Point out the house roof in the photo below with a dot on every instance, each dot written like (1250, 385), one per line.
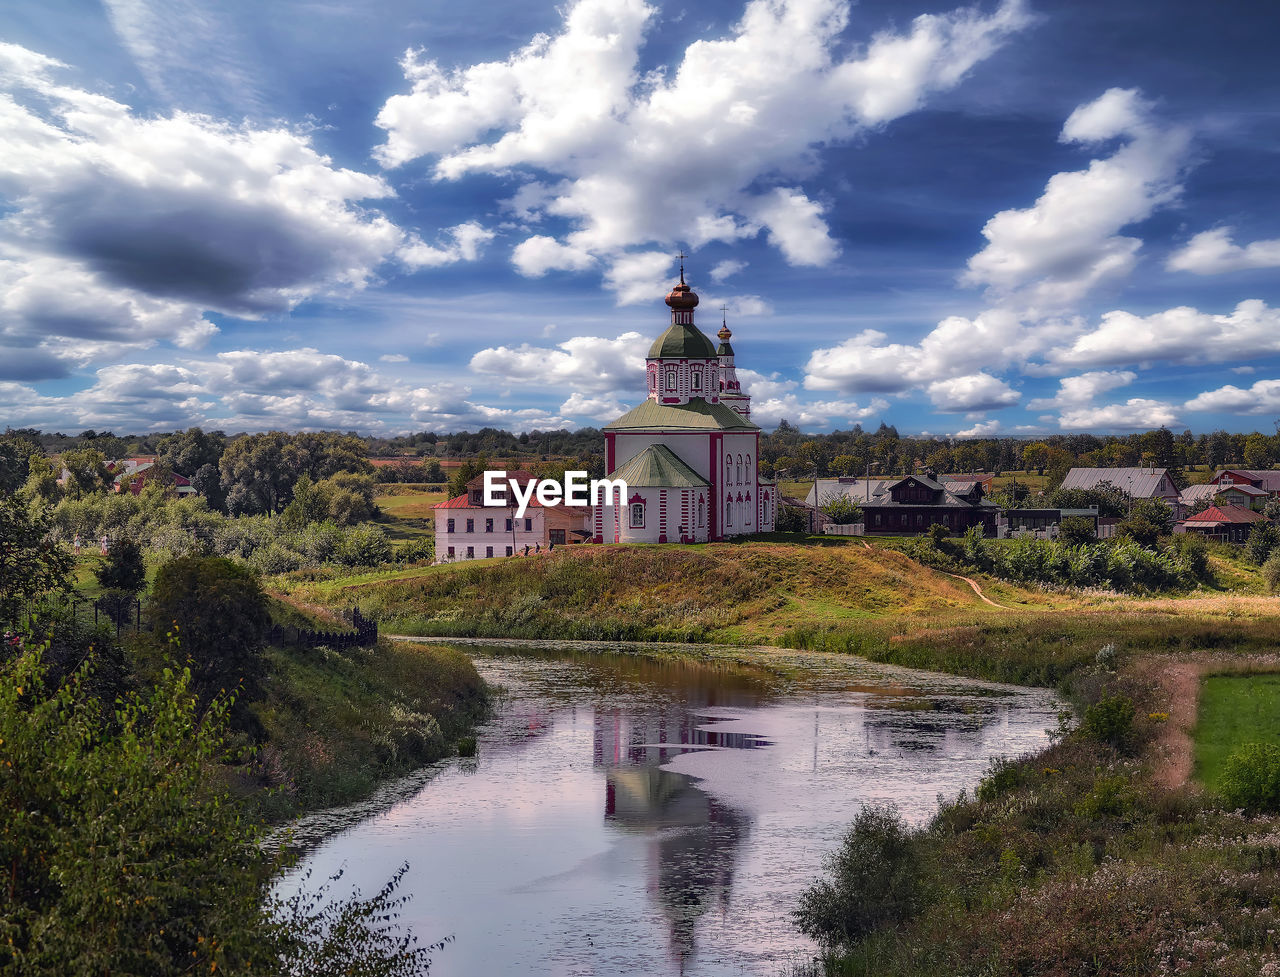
(1137, 483)
(1217, 514)
(658, 466)
(857, 489)
(1251, 490)
(1194, 493)
(521, 476)
(1266, 478)
(682, 342)
(696, 415)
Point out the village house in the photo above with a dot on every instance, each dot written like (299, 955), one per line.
(1137, 483)
(467, 529)
(132, 474)
(1228, 523)
(1249, 496)
(914, 503)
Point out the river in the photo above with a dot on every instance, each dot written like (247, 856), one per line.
(629, 815)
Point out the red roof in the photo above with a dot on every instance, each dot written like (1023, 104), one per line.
(1226, 513)
(460, 502)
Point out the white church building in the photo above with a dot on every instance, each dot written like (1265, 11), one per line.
(689, 452)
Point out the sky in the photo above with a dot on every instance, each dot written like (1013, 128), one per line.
(1016, 217)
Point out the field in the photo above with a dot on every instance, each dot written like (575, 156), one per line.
(1234, 710)
(408, 509)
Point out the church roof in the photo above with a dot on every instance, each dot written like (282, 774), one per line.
(696, 415)
(682, 342)
(658, 466)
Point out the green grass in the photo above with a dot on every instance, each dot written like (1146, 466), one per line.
(408, 511)
(1234, 710)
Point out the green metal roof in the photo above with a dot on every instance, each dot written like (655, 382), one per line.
(658, 466)
(724, 349)
(681, 342)
(696, 415)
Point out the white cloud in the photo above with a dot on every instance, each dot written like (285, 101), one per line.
(1084, 389)
(1044, 258)
(1180, 335)
(726, 269)
(1213, 252)
(393, 358)
(983, 429)
(744, 109)
(602, 408)
(1136, 414)
(768, 411)
(587, 364)
(974, 392)
(535, 256)
(467, 240)
(1261, 398)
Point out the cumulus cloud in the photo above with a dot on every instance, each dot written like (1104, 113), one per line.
(983, 429)
(393, 358)
(537, 255)
(1213, 252)
(726, 269)
(974, 392)
(124, 230)
(465, 246)
(1084, 389)
(1261, 398)
(587, 364)
(574, 109)
(767, 411)
(1043, 258)
(1135, 414)
(1179, 335)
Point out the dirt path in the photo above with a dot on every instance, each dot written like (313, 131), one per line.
(978, 590)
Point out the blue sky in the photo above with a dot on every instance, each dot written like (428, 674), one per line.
(1015, 217)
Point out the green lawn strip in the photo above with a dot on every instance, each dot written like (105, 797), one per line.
(1234, 710)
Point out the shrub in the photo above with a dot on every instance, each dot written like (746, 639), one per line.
(1077, 531)
(1251, 778)
(873, 881)
(222, 618)
(364, 546)
(1004, 776)
(840, 509)
(1263, 539)
(1271, 571)
(123, 568)
(1109, 720)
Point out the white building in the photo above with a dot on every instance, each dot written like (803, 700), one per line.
(467, 529)
(689, 453)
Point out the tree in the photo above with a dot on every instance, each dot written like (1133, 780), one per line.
(42, 480)
(122, 575)
(186, 452)
(1077, 531)
(1263, 539)
(208, 482)
(840, 509)
(16, 450)
(31, 565)
(1155, 511)
(1035, 456)
(464, 473)
(86, 472)
(221, 616)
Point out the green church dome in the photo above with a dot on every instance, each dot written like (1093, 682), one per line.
(682, 342)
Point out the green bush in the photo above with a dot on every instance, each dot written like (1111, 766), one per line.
(1271, 571)
(1251, 778)
(364, 546)
(1109, 720)
(873, 880)
(1263, 539)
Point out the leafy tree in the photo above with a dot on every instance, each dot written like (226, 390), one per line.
(792, 519)
(122, 575)
(186, 452)
(465, 473)
(42, 480)
(208, 482)
(16, 451)
(840, 509)
(1035, 456)
(1139, 529)
(1155, 511)
(30, 563)
(86, 472)
(1077, 531)
(221, 616)
(1263, 539)
(256, 475)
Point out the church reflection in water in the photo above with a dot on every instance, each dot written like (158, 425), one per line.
(692, 838)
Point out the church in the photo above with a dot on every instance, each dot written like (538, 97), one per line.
(689, 453)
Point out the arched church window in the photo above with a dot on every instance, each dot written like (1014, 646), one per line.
(697, 379)
(637, 515)
(671, 379)
(728, 511)
(702, 513)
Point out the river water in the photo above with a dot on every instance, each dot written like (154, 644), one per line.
(626, 815)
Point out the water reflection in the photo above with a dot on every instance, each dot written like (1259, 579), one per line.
(629, 816)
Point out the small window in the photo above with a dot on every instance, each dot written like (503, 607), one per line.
(508, 530)
(637, 515)
(508, 548)
(728, 512)
(449, 526)
(528, 525)
(488, 525)
(471, 525)
(557, 536)
(671, 379)
(738, 471)
(702, 513)
(697, 379)
(451, 552)
(488, 551)
(471, 552)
